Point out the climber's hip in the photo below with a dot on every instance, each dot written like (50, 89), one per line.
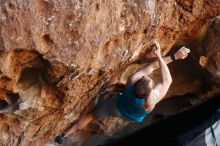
(107, 108)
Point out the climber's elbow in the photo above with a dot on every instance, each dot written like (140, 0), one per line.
(167, 80)
(170, 80)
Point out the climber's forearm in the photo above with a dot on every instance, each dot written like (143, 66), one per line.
(148, 69)
(166, 59)
(166, 76)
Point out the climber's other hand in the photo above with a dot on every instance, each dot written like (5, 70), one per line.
(182, 53)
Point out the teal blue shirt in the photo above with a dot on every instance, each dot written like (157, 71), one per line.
(130, 106)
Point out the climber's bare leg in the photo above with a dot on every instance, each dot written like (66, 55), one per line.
(82, 123)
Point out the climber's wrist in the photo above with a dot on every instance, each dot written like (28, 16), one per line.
(173, 57)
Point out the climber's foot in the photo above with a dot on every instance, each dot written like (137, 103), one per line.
(59, 139)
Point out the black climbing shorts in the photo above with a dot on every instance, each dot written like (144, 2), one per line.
(107, 108)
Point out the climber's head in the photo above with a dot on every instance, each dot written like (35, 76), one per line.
(216, 23)
(143, 87)
(3, 104)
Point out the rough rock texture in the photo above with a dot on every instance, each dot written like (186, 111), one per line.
(58, 55)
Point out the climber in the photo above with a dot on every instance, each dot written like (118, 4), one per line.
(140, 96)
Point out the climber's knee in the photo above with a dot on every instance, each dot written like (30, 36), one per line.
(84, 121)
(91, 116)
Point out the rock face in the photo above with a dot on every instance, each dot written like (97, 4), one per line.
(211, 50)
(56, 56)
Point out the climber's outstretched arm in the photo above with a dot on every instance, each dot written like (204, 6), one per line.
(182, 53)
(161, 89)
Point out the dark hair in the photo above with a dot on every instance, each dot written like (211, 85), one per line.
(141, 88)
(3, 104)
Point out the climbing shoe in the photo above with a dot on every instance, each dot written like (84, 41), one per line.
(59, 139)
